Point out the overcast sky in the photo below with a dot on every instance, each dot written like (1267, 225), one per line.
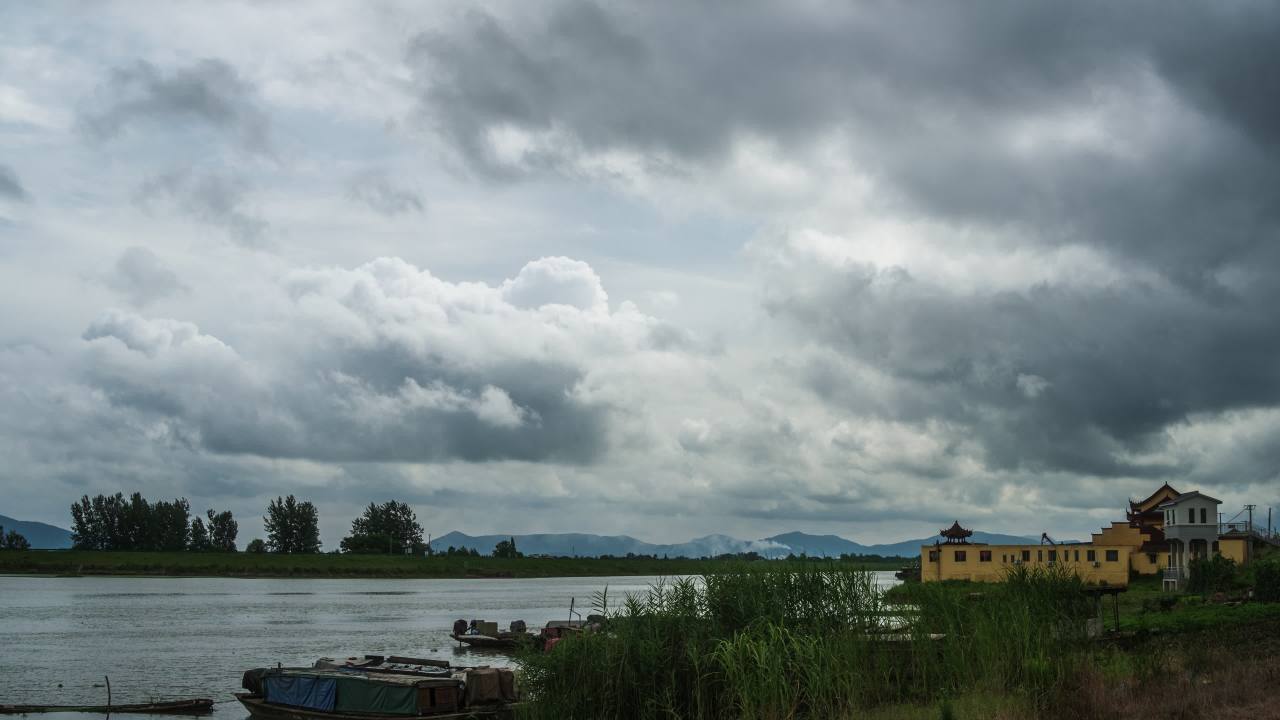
(663, 269)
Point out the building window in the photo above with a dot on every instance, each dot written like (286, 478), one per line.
(984, 556)
(1077, 556)
(1191, 515)
(961, 556)
(1053, 556)
(1113, 556)
(1026, 556)
(1215, 547)
(1039, 556)
(933, 556)
(1090, 555)
(1151, 557)
(1203, 521)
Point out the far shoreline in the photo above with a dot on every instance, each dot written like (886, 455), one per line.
(84, 563)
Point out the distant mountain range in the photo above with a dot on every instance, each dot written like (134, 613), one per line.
(49, 537)
(585, 545)
(42, 536)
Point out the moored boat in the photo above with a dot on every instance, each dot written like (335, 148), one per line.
(377, 687)
(193, 706)
(260, 709)
(485, 634)
(501, 641)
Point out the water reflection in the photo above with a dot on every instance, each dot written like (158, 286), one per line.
(193, 637)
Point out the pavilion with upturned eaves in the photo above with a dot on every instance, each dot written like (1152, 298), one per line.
(956, 535)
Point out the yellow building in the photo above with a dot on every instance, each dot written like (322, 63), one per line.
(1148, 552)
(1136, 545)
(1236, 546)
(958, 559)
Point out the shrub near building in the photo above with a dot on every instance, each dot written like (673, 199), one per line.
(1266, 579)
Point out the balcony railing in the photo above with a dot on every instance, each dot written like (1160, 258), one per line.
(1173, 573)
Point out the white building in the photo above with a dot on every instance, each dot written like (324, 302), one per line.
(1191, 528)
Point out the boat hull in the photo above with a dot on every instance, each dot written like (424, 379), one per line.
(198, 706)
(260, 709)
(494, 643)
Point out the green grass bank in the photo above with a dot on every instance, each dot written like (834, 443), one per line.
(766, 642)
(84, 562)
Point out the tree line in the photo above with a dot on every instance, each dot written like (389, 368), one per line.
(14, 540)
(113, 522)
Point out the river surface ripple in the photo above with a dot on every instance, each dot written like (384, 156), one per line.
(193, 637)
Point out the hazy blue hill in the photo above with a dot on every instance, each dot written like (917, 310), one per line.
(911, 548)
(588, 545)
(42, 536)
(819, 545)
(581, 544)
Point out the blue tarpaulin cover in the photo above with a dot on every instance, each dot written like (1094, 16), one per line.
(314, 693)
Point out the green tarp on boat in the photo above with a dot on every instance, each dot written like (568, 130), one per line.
(358, 694)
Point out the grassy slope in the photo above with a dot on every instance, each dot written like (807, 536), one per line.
(1140, 609)
(269, 565)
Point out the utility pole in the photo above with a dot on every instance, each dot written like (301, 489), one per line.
(1250, 509)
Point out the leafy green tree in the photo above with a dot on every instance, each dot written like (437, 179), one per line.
(223, 529)
(1212, 574)
(1266, 575)
(390, 527)
(507, 549)
(198, 538)
(167, 525)
(256, 546)
(13, 541)
(110, 522)
(98, 524)
(292, 526)
(461, 551)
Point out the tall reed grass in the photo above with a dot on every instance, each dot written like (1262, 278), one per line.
(766, 643)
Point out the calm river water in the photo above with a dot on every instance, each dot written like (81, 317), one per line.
(193, 637)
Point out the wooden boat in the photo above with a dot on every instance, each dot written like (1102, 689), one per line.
(193, 706)
(502, 641)
(260, 709)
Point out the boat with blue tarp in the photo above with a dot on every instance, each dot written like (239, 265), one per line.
(378, 687)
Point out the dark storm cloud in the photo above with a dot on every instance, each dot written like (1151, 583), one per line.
(10, 186)
(140, 275)
(377, 191)
(1184, 203)
(208, 92)
(1052, 377)
(213, 199)
(926, 92)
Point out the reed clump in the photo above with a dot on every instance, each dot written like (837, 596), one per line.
(765, 643)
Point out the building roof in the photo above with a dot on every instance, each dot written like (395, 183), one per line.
(1194, 494)
(955, 532)
(1163, 493)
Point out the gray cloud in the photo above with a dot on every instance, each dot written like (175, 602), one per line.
(140, 275)
(1140, 134)
(209, 92)
(213, 199)
(10, 185)
(929, 96)
(1053, 377)
(1016, 262)
(377, 191)
(388, 364)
